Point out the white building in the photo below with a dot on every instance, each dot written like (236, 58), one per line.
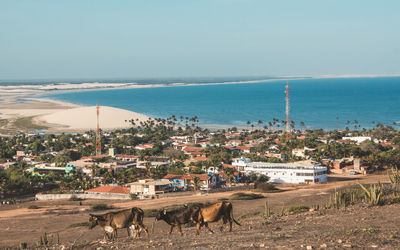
(240, 163)
(289, 172)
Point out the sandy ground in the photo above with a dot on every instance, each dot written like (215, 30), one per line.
(21, 224)
(84, 118)
(57, 116)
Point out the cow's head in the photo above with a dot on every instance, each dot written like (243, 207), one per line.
(161, 214)
(93, 220)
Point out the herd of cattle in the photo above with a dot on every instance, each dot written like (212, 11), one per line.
(132, 219)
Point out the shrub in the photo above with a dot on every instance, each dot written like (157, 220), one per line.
(267, 188)
(33, 207)
(100, 206)
(298, 208)
(133, 196)
(245, 196)
(261, 179)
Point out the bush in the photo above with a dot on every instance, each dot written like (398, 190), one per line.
(133, 196)
(33, 207)
(100, 206)
(298, 208)
(267, 188)
(245, 196)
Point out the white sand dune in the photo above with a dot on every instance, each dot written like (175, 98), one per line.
(85, 118)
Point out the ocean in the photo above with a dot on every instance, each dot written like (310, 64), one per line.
(333, 103)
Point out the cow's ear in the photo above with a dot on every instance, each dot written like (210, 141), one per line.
(164, 211)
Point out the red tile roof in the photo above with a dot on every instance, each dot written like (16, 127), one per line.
(192, 149)
(109, 189)
(200, 158)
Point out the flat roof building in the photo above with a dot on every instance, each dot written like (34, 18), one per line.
(289, 172)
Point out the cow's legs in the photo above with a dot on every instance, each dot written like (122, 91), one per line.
(209, 229)
(172, 228)
(198, 227)
(180, 229)
(223, 222)
(131, 231)
(143, 227)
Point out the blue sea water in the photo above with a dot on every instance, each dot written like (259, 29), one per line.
(319, 103)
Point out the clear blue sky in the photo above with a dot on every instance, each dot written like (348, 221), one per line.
(192, 38)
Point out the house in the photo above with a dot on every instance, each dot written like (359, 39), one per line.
(191, 150)
(6, 165)
(46, 168)
(144, 146)
(298, 152)
(186, 181)
(244, 149)
(126, 158)
(150, 187)
(234, 143)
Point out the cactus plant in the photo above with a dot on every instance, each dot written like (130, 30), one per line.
(373, 193)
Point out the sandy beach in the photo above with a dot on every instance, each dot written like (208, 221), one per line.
(20, 113)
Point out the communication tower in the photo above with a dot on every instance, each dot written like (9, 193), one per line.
(287, 111)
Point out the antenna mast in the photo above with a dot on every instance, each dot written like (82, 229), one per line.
(287, 111)
(98, 136)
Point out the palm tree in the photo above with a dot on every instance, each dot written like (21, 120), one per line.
(302, 124)
(248, 123)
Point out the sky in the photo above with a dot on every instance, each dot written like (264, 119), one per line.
(48, 39)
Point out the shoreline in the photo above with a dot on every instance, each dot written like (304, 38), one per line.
(33, 102)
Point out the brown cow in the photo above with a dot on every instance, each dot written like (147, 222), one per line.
(215, 212)
(112, 221)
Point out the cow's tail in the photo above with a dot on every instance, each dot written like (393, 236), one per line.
(231, 215)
